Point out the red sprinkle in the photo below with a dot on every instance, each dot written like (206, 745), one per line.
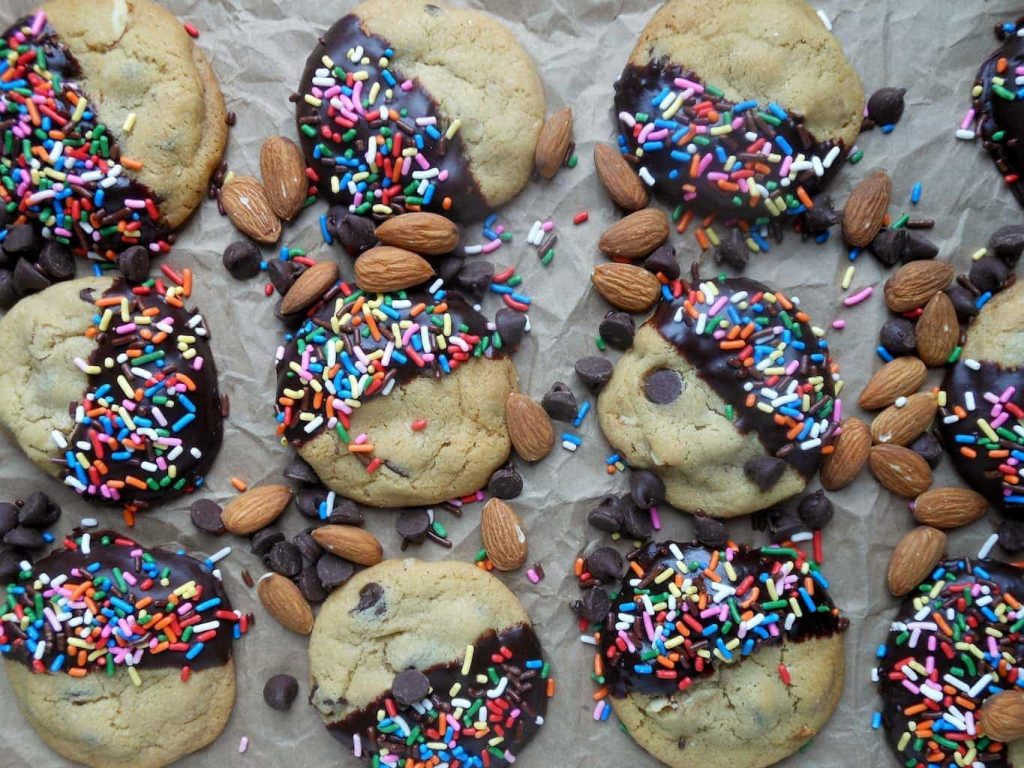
(192, 31)
(784, 674)
(419, 425)
(580, 217)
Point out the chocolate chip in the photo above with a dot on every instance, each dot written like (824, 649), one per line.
(449, 267)
(206, 516)
(263, 540)
(511, 326)
(284, 558)
(242, 259)
(505, 483)
(605, 564)
(308, 582)
(732, 250)
(928, 448)
(663, 260)
(413, 524)
(636, 522)
(38, 512)
(56, 261)
(918, 248)
(647, 488)
(308, 500)
(24, 537)
(8, 517)
(300, 470)
(663, 386)
(10, 562)
(334, 571)
(1007, 243)
(283, 274)
(410, 687)
(617, 329)
(594, 371)
(964, 302)
(898, 336)
(134, 264)
(369, 596)
(815, 509)
(1011, 535)
(308, 548)
(784, 524)
(764, 471)
(346, 512)
(888, 246)
(475, 277)
(28, 279)
(355, 233)
(885, 106)
(280, 691)
(8, 295)
(22, 242)
(821, 217)
(988, 274)
(560, 402)
(607, 515)
(593, 606)
(709, 531)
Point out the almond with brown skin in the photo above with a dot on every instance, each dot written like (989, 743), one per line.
(899, 378)
(626, 286)
(386, 268)
(619, 179)
(529, 427)
(256, 508)
(900, 470)
(285, 602)
(938, 330)
(429, 234)
(946, 508)
(865, 210)
(246, 204)
(912, 285)
(283, 169)
(1002, 716)
(914, 557)
(553, 143)
(310, 287)
(503, 535)
(841, 467)
(349, 542)
(903, 424)
(636, 235)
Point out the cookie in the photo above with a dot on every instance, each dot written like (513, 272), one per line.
(132, 643)
(405, 641)
(956, 640)
(390, 424)
(694, 686)
(419, 106)
(742, 109)
(982, 421)
(118, 169)
(112, 388)
(727, 394)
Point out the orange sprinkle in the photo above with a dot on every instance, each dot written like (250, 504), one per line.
(239, 484)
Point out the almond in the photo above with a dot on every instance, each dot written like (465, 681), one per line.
(636, 235)
(914, 557)
(900, 470)
(619, 179)
(256, 508)
(283, 169)
(938, 330)
(246, 204)
(899, 378)
(529, 427)
(503, 536)
(553, 143)
(310, 287)
(841, 467)
(865, 210)
(352, 543)
(626, 286)
(386, 268)
(902, 425)
(427, 233)
(285, 602)
(913, 284)
(1002, 716)
(948, 507)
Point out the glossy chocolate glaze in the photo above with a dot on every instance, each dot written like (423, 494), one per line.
(995, 113)
(468, 203)
(181, 569)
(527, 686)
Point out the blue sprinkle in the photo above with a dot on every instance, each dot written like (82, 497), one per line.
(915, 193)
(884, 353)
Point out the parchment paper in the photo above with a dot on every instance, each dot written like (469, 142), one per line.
(258, 47)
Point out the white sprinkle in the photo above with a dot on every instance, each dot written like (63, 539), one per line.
(59, 439)
(971, 363)
(219, 555)
(89, 522)
(824, 19)
(243, 744)
(569, 445)
(645, 174)
(965, 135)
(986, 548)
(900, 402)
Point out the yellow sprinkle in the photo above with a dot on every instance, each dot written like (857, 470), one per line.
(453, 129)
(978, 254)
(133, 673)
(712, 236)
(467, 662)
(80, 108)
(313, 101)
(848, 276)
(129, 123)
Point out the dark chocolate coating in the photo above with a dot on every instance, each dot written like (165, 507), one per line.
(995, 113)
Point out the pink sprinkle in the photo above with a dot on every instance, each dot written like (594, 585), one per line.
(655, 518)
(859, 296)
(839, 324)
(243, 744)
(968, 120)
(532, 576)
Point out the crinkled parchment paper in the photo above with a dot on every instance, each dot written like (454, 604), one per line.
(258, 48)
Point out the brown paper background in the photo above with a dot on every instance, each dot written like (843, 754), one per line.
(258, 48)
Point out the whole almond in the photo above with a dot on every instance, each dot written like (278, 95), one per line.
(285, 602)
(900, 470)
(310, 287)
(386, 268)
(553, 143)
(246, 204)
(914, 557)
(1002, 716)
(841, 467)
(619, 179)
(865, 210)
(626, 286)
(902, 425)
(503, 535)
(420, 232)
(898, 378)
(256, 508)
(352, 543)
(938, 330)
(283, 169)
(948, 507)
(913, 284)
(529, 427)
(636, 235)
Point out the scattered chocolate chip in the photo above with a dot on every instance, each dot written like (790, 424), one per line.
(206, 516)
(918, 248)
(709, 531)
(24, 537)
(283, 274)
(230, 119)
(355, 233)
(885, 106)
(299, 469)
(22, 242)
(636, 522)
(663, 260)
(369, 596)
(617, 329)
(333, 571)
(505, 483)
(56, 261)
(410, 687)
(346, 512)
(475, 278)
(1007, 243)
(242, 259)
(821, 217)
(247, 578)
(308, 582)
(449, 267)
(663, 386)
(988, 273)
(8, 517)
(263, 540)
(38, 512)
(928, 448)
(308, 548)
(28, 279)
(605, 564)
(898, 336)
(10, 562)
(560, 402)
(732, 250)
(785, 523)
(1011, 535)
(964, 302)
(134, 264)
(511, 326)
(594, 371)
(815, 509)
(888, 246)
(593, 606)
(280, 691)
(413, 524)
(646, 487)
(764, 471)
(284, 558)
(8, 295)
(607, 515)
